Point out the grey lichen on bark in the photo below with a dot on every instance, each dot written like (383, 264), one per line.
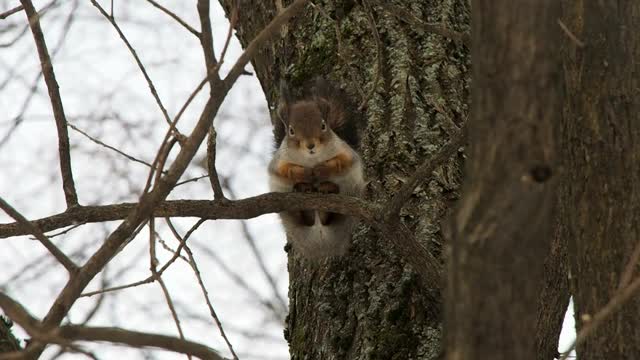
(414, 86)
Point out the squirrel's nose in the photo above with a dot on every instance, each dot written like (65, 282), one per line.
(310, 146)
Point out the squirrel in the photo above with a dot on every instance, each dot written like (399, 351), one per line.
(317, 144)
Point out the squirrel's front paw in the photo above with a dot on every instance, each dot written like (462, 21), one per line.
(321, 171)
(300, 174)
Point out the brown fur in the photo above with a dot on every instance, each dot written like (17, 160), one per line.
(306, 118)
(332, 167)
(323, 102)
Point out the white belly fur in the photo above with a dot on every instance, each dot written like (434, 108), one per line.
(320, 241)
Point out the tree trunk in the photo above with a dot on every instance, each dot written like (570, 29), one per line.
(554, 296)
(601, 137)
(503, 227)
(414, 83)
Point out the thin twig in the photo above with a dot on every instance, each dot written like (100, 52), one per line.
(65, 231)
(206, 41)
(211, 165)
(148, 280)
(613, 306)
(153, 260)
(632, 264)
(175, 17)
(133, 52)
(159, 162)
(65, 334)
(259, 258)
(171, 129)
(10, 12)
(64, 151)
(205, 293)
(151, 279)
(424, 172)
(212, 67)
(169, 249)
(35, 231)
(195, 179)
(108, 146)
(278, 313)
(232, 24)
(33, 89)
(571, 36)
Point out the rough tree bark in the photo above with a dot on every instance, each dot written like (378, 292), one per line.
(601, 137)
(503, 227)
(414, 82)
(554, 295)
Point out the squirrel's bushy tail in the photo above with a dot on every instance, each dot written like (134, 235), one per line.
(319, 241)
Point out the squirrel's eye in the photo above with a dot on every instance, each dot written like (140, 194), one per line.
(323, 126)
(291, 132)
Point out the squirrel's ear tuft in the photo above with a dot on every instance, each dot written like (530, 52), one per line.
(284, 103)
(321, 87)
(330, 107)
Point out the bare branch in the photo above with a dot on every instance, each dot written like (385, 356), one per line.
(153, 260)
(10, 12)
(232, 24)
(68, 333)
(424, 173)
(251, 240)
(279, 313)
(212, 67)
(35, 231)
(206, 40)
(148, 280)
(108, 146)
(572, 36)
(613, 306)
(68, 185)
(205, 293)
(151, 278)
(632, 264)
(149, 201)
(211, 165)
(133, 52)
(205, 209)
(175, 17)
(138, 339)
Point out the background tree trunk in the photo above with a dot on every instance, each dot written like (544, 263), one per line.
(369, 304)
(503, 227)
(601, 137)
(554, 296)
